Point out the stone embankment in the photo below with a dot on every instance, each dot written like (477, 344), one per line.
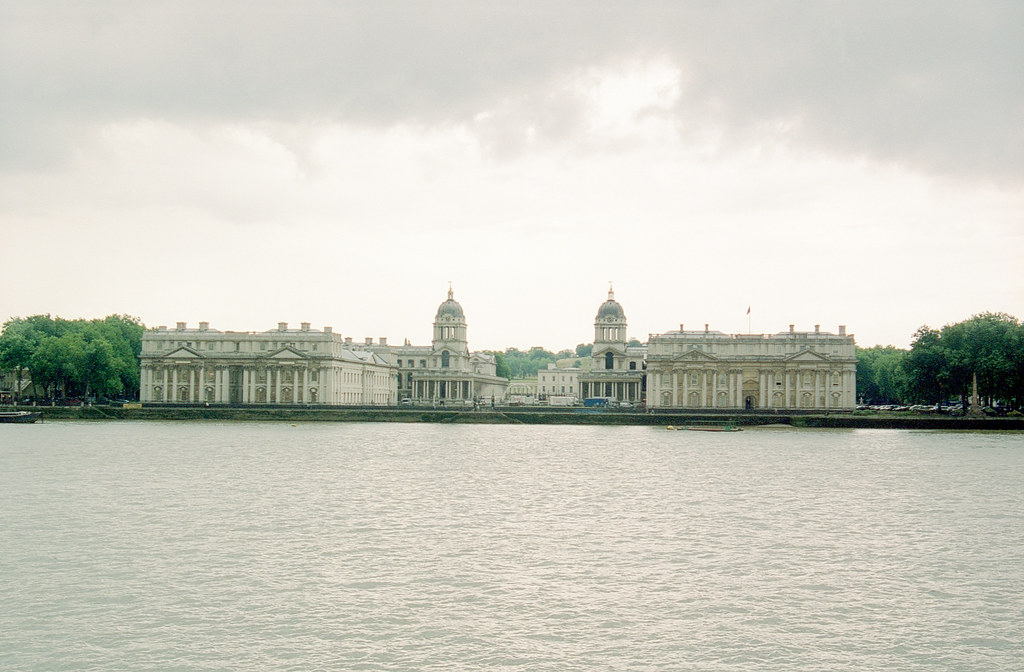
(520, 415)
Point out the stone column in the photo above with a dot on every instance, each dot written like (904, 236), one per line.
(828, 389)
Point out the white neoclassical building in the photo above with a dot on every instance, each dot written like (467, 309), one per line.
(617, 370)
(558, 382)
(445, 372)
(279, 366)
(791, 370)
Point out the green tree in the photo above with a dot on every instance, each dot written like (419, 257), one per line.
(881, 377)
(983, 347)
(526, 364)
(584, 349)
(15, 354)
(58, 364)
(927, 366)
(501, 367)
(988, 347)
(75, 356)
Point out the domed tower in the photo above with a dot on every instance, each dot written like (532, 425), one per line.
(610, 323)
(450, 327)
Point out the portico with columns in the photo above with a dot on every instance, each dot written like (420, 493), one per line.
(446, 372)
(784, 371)
(617, 368)
(303, 367)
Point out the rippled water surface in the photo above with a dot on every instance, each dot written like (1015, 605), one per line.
(235, 546)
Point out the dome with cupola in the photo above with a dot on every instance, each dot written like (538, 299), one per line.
(450, 308)
(611, 309)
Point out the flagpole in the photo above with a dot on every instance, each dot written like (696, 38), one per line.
(748, 320)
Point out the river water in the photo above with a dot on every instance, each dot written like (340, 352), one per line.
(330, 546)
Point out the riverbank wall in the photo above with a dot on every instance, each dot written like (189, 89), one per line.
(526, 416)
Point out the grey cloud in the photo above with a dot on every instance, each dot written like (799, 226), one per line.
(935, 85)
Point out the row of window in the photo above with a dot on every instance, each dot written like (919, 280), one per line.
(740, 348)
(232, 346)
(544, 389)
(806, 378)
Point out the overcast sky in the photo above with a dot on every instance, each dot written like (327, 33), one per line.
(246, 163)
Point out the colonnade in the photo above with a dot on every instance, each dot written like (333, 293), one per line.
(621, 390)
(767, 388)
(448, 388)
(219, 383)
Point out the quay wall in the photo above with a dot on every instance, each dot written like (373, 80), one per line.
(531, 416)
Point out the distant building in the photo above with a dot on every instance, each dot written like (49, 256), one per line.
(617, 370)
(12, 388)
(446, 372)
(280, 366)
(788, 370)
(522, 391)
(554, 381)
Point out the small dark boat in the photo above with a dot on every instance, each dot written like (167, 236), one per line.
(706, 428)
(19, 416)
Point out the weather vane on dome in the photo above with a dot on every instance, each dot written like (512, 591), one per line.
(611, 290)
(450, 293)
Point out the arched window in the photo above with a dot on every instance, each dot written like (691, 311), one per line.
(609, 360)
(445, 359)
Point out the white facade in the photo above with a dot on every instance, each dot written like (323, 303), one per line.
(554, 381)
(445, 372)
(788, 370)
(281, 366)
(617, 370)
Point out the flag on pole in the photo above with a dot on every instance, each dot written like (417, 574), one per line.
(748, 310)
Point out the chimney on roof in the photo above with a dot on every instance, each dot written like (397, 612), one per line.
(282, 326)
(348, 340)
(705, 327)
(305, 326)
(791, 328)
(842, 330)
(383, 340)
(181, 326)
(328, 330)
(368, 340)
(817, 328)
(681, 327)
(203, 326)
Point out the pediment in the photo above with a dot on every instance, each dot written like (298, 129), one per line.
(695, 356)
(183, 352)
(286, 352)
(807, 356)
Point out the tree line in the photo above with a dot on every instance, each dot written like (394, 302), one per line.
(942, 364)
(515, 363)
(73, 358)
